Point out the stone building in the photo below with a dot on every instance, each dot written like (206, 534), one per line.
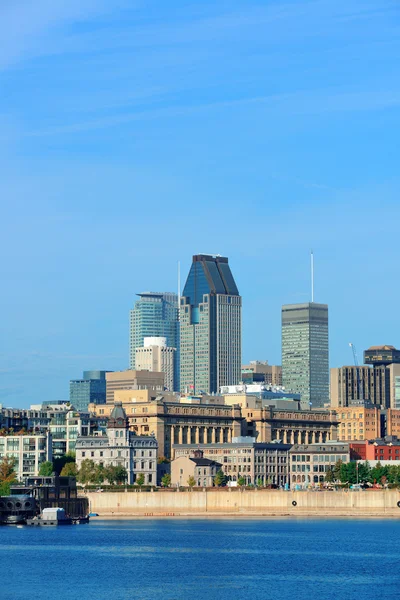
(207, 420)
(195, 465)
(121, 447)
(309, 463)
(269, 424)
(243, 457)
(178, 422)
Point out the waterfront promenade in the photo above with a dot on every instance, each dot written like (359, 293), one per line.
(247, 503)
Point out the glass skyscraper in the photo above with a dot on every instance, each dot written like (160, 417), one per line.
(210, 327)
(305, 351)
(155, 314)
(91, 388)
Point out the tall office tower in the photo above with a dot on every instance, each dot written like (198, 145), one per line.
(385, 361)
(90, 389)
(155, 314)
(305, 351)
(351, 384)
(156, 356)
(210, 327)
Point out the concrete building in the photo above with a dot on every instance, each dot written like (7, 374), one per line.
(121, 447)
(133, 380)
(157, 356)
(351, 383)
(305, 351)
(195, 465)
(264, 464)
(210, 327)
(309, 463)
(155, 314)
(259, 371)
(91, 389)
(378, 384)
(27, 451)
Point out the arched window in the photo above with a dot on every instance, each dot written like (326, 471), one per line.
(117, 434)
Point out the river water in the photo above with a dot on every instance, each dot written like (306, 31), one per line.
(207, 559)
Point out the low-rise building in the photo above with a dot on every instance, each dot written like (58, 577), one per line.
(387, 448)
(309, 463)
(203, 470)
(27, 451)
(121, 447)
(256, 463)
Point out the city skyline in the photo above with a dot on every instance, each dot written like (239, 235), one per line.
(152, 132)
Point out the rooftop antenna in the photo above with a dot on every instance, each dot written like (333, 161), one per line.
(312, 276)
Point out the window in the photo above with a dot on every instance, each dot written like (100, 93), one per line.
(83, 454)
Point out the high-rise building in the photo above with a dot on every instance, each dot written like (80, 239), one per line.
(351, 384)
(90, 389)
(305, 351)
(156, 356)
(210, 327)
(155, 314)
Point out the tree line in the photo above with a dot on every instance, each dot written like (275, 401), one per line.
(362, 472)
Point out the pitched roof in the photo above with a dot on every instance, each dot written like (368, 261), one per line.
(205, 462)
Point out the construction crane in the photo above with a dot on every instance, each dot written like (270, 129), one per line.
(359, 377)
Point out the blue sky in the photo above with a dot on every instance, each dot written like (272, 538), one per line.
(134, 134)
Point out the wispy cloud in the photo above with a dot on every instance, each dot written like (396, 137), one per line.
(24, 24)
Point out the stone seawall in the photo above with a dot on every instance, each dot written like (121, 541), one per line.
(246, 503)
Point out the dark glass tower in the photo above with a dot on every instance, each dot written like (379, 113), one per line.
(305, 351)
(210, 327)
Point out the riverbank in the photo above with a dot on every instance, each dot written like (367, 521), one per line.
(246, 504)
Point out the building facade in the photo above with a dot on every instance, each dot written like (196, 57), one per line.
(90, 389)
(309, 463)
(157, 356)
(359, 423)
(385, 449)
(261, 464)
(121, 447)
(133, 380)
(259, 371)
(210, 327)
(155, 314)
(27, 451)
(203, 470)
(305, 351)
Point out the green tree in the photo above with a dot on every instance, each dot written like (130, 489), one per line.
(69, 470)
(7, 475)
(140, 480)
(166, 480)
(260, 482)
(114, 474)
(191, 482)
(162, 460)
(329, 476)
(88, 472)
(60, 461)
(241, 481)
(46, 469)
(219, 478)
(121, 474)
(337, 470)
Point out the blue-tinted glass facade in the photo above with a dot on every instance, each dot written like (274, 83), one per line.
(155, 314)
(88, 390)
(210, 326)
